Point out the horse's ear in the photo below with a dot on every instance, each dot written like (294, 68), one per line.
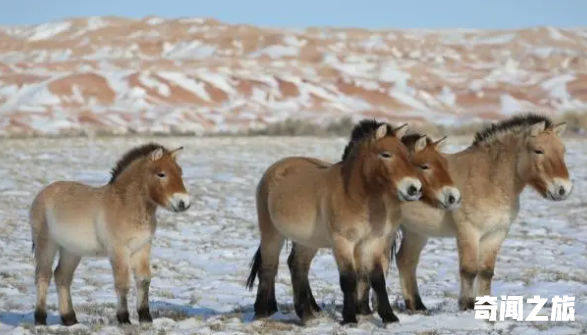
(381, 132)
(401, 131)
(439, 143)
(174, 153)
(156, 154)
(421, 143)
(537, 128)
(560, 129)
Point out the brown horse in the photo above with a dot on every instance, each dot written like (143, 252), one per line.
(438, 191)
(115, 221)
(491, 174)
(350, 207)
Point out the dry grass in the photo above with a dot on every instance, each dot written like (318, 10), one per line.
(297, 127)
(577, 124)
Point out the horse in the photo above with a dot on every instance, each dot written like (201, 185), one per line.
(116, 220)
(438, 191)
(491, 173)
(349, 207)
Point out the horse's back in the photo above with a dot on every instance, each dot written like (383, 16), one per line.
(290, 192)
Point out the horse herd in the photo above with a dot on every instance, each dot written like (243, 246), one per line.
(387, 180)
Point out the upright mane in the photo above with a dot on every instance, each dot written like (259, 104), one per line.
(364, 130)
(515, 124)
(131, 156)
(409, 140)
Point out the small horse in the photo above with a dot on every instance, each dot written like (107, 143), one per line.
(491, 174)
(439, 191)
(116, 221)
(349, 207)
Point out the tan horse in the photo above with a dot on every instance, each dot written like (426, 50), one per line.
(491, 174)
(115, 221)
(350, 207)
(438, 191)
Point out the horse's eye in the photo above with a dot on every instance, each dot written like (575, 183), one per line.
(386, 155)
(424, 167)
(539, 152)
(161, 175)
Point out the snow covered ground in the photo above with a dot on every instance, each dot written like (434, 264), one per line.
(201, 257)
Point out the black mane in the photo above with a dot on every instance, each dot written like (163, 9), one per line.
(363, 130)
(132, 155)
(409, 140)
(516, 122)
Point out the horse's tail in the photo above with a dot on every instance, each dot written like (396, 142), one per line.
(255, 266)
(395, 245)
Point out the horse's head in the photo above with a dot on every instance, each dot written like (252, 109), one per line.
(387, 165)
(165, 183)
(438, 186)
(542, 161)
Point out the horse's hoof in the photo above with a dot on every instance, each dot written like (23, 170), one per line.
(123, 318)
(145, 316)
(351, 322)
(466, 304)
(69, 319)
(40, 318)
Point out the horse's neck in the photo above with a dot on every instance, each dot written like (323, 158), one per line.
(495, 165)
(359, 194)
(131, 194)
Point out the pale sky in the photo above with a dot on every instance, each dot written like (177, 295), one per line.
(303, 13)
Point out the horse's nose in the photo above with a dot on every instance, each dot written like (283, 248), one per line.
(180, 202)
(451, 199)
(412, 190)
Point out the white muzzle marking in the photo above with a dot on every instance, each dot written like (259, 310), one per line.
(449, 198)
(560, 189)
(409, 189)
(180, 202)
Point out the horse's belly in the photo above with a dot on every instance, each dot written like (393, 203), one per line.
(304, 231)
(79, 237)
(427, 221)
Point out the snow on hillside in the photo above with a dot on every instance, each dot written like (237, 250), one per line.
(200, 75)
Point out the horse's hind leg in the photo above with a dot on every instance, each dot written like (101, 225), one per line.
(141, 262)
(120, 261)
(266, 260)
(271, 244)
(45, 250)
(407, 260)
(299, 262)
(63, 277)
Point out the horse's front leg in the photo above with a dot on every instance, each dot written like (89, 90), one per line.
(343, 251)
(376, 262)
(488, 249)
(120, 261)
(141, 264)
(363, 290)
(468, 245)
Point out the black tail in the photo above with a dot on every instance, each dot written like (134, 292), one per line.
(255, 266)
(397, 239)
